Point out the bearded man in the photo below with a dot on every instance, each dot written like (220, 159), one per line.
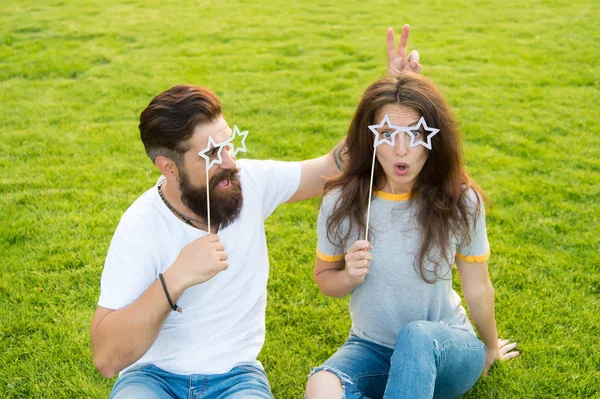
(182, 305)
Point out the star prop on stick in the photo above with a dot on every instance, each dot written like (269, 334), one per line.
(414, 132)
(389, 137)
(237, 133)
(213, 150)
(209, 152)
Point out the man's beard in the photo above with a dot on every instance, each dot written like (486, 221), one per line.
(225, 205)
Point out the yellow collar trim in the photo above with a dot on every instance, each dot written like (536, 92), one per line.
(392, 197)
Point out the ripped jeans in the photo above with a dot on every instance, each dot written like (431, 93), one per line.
(430, 360)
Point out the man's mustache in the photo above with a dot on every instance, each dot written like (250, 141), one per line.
(230, 174)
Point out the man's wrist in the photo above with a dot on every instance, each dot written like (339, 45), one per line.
(175, 283)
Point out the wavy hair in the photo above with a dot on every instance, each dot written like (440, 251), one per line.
(440, 188)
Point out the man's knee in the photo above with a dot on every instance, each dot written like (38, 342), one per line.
(324, 385)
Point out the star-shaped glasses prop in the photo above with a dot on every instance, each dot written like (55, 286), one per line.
(232, 142)
(414, 133)
(212, 153)
(388, 137)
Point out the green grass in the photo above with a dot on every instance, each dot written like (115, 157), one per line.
(522, 77)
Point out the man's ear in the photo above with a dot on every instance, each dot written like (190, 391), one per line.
(167, 167)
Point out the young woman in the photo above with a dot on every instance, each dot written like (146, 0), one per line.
(410, 336)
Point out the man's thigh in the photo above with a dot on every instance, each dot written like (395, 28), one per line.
(151, 382)
(244, 382)
(147, 382)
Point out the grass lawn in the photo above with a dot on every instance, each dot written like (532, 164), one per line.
(522, 76)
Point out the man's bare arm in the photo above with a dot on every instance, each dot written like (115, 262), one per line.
(316, 171)
(121, 337)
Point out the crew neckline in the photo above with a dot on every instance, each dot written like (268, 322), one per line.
(393, 197)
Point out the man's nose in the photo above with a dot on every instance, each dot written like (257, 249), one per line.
(228, 158)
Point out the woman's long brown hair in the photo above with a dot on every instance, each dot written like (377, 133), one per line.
(440, 188)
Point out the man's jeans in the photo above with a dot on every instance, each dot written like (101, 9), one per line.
(429, 360)
(150, 382)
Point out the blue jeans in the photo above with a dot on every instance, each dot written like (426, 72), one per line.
(430, 360)
(151, 382)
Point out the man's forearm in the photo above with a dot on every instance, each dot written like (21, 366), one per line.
(315, 173)
(123, 336)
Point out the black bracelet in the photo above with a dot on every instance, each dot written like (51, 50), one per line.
(173, 305)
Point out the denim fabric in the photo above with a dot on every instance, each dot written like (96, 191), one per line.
(429, 360)
(151, 382)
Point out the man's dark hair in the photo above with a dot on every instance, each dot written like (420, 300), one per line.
(169, 120)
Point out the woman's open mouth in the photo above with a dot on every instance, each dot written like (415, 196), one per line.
(401, 169)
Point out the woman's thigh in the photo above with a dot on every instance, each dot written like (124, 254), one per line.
(361, 366)
(435, 360)
(462, 359)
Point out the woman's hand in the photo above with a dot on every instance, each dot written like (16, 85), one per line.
(398, 62)
(504, 352)
(358, 261)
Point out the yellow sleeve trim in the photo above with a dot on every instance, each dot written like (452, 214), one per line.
(329, 258)
(474, 259)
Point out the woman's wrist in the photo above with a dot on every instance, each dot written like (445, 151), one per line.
(492, 354)
(350, 281)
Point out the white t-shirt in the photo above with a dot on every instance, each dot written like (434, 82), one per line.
(223, 319)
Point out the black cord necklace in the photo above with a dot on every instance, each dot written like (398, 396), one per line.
(180, 215)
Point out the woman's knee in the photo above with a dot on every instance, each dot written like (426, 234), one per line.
(324, 385)
(417, 334)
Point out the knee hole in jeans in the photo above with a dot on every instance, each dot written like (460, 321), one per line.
(324, 384)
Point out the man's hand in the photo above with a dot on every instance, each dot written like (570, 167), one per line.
(199, 261)
(397, 60)
(504, 352)
(358, 261)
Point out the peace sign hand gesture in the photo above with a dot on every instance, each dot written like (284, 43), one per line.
(397, 60)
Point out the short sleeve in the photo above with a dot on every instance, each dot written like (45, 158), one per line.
(326, 250)
(129, 269)
(477, 248)
(276, 181)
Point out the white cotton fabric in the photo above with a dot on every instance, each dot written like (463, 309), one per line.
(223, 320)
